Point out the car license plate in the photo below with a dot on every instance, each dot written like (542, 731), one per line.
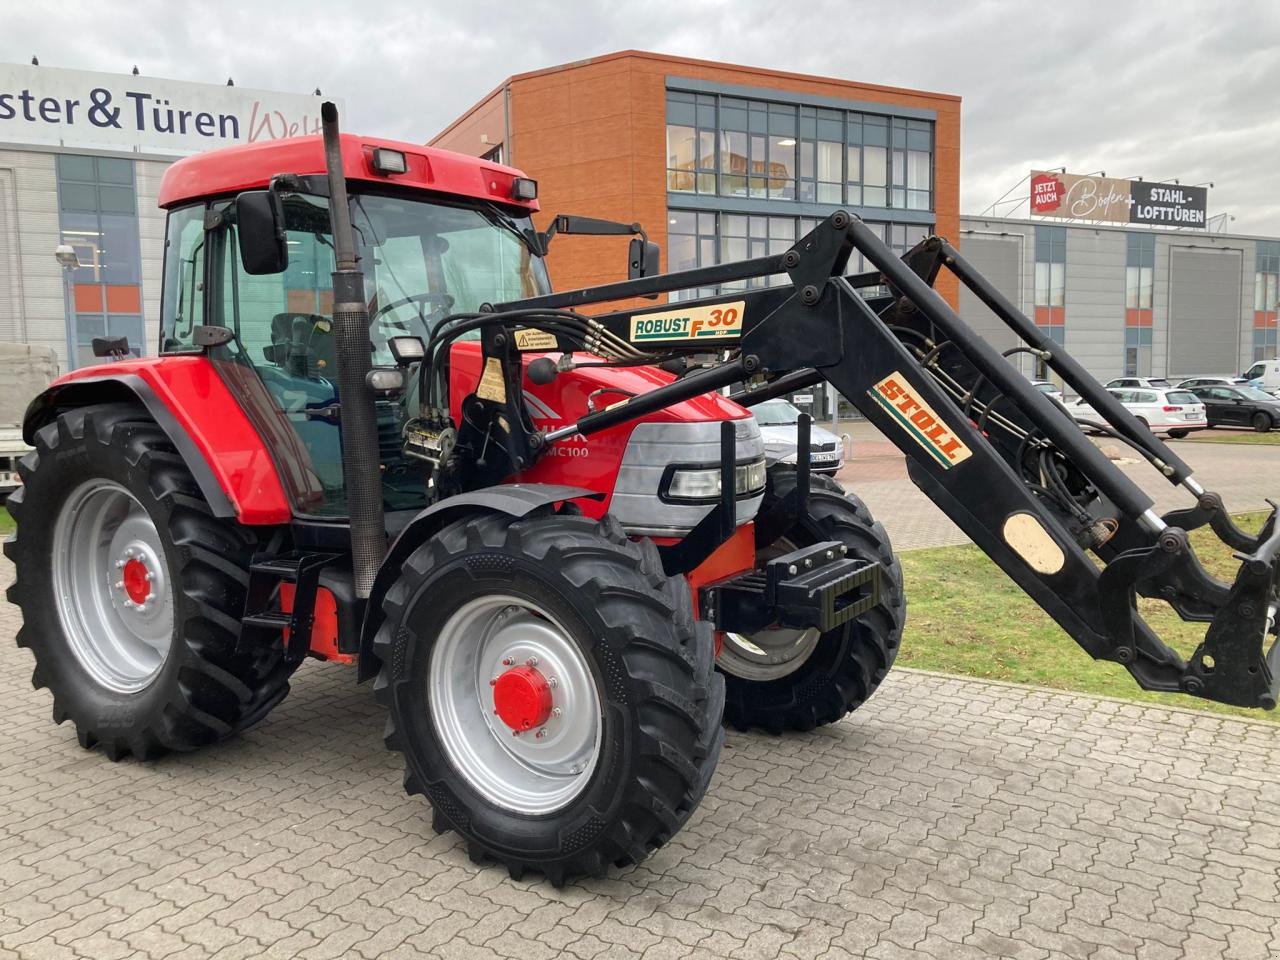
(822, 457)
(1192, 416)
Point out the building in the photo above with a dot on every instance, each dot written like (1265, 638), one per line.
(81, 157)
(1129, 300)
(718, 162)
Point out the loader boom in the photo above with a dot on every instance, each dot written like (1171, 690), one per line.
(1004, 462)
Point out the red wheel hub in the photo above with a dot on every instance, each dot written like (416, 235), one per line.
(522, 698)
(136, 584)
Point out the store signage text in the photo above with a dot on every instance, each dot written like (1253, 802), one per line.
(43, 105)
(1069, 196)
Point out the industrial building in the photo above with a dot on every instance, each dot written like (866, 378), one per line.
(81, 157)
(1135, 301)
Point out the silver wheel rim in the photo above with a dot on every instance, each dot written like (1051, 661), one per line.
(767, 654)
(533, 771)
(111, 586)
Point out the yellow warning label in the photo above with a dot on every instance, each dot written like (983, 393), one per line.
(535, 340)
(692, 323)
(492, 386)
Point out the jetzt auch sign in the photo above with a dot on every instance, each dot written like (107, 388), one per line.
(72, 109)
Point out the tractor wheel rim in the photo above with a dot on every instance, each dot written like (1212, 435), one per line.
(111, 586)
(488, 647)
(768, 654)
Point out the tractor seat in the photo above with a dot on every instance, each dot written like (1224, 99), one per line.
(302, 344)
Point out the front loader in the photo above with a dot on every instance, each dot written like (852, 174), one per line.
(374, 436)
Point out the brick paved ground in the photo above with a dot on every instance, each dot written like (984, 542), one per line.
(1245, 475)
(951, 819)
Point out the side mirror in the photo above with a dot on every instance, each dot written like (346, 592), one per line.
(643, 259)
(260, 227)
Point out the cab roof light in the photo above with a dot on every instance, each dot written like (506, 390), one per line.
(387, 162)
(523, 188)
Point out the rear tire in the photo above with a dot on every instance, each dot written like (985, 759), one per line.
(1261, 422)
(113, 465)
(621, 637)
(1179, 434)
(845, 666)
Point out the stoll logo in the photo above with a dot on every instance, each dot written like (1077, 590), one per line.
(919, 420)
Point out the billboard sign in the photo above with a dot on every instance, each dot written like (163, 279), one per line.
(70, 109)
(1069, 196)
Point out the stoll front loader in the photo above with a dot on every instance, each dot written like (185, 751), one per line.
(374, 434)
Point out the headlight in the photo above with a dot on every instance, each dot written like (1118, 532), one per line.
(703, 483)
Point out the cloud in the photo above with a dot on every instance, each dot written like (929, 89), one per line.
(1178, 89)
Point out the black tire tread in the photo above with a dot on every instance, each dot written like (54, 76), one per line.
(648, 617)
(216, 690)
(872, 644)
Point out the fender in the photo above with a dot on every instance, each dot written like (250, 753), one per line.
(512, 499)
(191, 404)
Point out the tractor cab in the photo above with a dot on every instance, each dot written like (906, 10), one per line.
(423, 257)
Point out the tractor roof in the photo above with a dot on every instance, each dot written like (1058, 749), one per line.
(251, 166)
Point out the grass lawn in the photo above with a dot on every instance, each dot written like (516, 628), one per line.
(1220, 435)
(965, 616)
(6, 522)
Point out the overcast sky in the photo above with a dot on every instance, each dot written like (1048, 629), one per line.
(1162, 90)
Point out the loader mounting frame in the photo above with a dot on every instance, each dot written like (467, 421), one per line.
(1002, 460)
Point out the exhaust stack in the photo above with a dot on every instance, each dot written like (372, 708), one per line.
(359, 426)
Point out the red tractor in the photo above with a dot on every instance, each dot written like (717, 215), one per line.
(373, 434)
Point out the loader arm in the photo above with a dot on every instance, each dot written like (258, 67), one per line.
(1003, 461)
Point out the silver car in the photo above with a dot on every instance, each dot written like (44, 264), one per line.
(777, 420)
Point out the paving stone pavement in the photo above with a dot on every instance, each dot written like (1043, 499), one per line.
(950, 818)
(1245, 475)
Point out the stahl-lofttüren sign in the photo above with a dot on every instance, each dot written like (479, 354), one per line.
(1069, 196)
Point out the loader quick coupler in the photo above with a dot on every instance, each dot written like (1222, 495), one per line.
(813, 587)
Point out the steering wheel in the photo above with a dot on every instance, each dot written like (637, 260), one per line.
(443, 299)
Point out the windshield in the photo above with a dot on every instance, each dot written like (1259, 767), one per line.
(776, 413)
(424, 261)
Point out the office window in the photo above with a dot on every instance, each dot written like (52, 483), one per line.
(702, 238)
(738, 147)
(1051, 287)
(97, 206)
(1137, 351)
(1266, 295)
(691, 133)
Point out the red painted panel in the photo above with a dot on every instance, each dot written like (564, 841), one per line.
(123, 298)
(1134, 317)
(591, 462)
(88, 297)
(251, 166)
(324, 626)
(194, 393)
(1264, 318)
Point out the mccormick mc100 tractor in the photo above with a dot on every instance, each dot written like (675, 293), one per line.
(373, 433)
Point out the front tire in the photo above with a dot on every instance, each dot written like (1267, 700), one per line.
(616, 728)
(778, 685)
(131, 590)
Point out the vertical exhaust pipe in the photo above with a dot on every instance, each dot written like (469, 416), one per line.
(359, 425)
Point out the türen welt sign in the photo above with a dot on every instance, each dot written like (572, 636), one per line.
(47, 106)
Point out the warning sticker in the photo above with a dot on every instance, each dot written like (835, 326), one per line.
(535, 340)
(492, 386)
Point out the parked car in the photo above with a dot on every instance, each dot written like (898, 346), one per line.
(1175, 412)
(778, 419)
(1146, 383)
(1240, 406)
(1194, 382)
(1050, 390)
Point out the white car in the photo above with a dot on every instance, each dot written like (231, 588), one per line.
(1175, 412)
(777, 419)
(1192, 382)
(1050, 390)
(1147, 383)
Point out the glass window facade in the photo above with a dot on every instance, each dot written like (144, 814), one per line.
(1051, 287)
(98, 218)
(699, 238)
(1266, 296)
(737, 147)
(1139, 274)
